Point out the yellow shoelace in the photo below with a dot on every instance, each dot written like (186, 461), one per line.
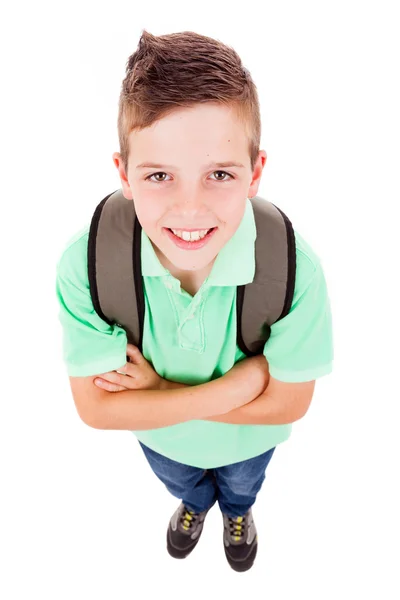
(237, 528)
(187, 519)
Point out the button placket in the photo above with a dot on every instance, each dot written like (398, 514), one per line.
(192, 308)
(197, 329)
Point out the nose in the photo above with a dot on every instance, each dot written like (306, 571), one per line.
(190, 204)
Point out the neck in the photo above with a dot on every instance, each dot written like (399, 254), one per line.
(191, 281)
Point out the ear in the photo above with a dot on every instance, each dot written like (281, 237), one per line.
(258, 170)
(126, 188)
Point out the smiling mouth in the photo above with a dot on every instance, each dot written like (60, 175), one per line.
(181, 229)
(191, 243)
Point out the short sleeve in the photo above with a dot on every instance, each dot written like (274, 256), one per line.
(90, 345)
(300, 347)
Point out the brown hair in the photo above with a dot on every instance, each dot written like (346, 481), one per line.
(181, 70)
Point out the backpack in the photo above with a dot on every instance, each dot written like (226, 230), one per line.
(116, 283)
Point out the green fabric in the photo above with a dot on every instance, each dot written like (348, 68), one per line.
(198, 344)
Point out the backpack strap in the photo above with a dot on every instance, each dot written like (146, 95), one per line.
(269, 297)
(114, 265)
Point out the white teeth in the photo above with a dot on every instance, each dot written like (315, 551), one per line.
(191, 236)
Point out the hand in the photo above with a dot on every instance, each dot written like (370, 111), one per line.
(139, 374)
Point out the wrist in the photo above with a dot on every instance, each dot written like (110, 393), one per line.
(248, 377)
(239, 385)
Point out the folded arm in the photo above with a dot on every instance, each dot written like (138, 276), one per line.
(280, 403)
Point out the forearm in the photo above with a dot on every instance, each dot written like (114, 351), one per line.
(174, 403)
(264, 410)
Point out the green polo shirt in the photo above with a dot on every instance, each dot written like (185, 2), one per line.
(193, 339)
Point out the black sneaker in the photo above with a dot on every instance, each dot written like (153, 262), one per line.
(184, 531)
(240, 541)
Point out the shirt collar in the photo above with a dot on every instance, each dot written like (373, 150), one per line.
(235, 262)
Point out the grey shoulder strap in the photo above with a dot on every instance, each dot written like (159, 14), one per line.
(114, 266)
(269, 297)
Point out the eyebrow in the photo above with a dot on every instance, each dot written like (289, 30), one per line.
(152, 165)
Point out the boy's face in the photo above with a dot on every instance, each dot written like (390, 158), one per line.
(185, 192)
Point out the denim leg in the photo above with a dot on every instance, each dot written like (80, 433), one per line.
(195, 487)
(239, 483)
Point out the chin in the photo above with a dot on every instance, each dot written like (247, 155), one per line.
(188, 264)
(185, 260)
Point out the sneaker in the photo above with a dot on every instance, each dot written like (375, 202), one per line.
(240, 541)
(184, 531)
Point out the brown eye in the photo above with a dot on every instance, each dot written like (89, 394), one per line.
(224, 173)
(157, 181)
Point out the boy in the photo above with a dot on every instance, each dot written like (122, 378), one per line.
(207, 418)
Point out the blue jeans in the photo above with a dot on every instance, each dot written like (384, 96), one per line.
(234, 486)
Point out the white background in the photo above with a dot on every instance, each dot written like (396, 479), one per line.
(82, 514)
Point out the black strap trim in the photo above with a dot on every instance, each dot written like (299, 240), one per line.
(137, 273)
(239, 308)
(291, 277)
